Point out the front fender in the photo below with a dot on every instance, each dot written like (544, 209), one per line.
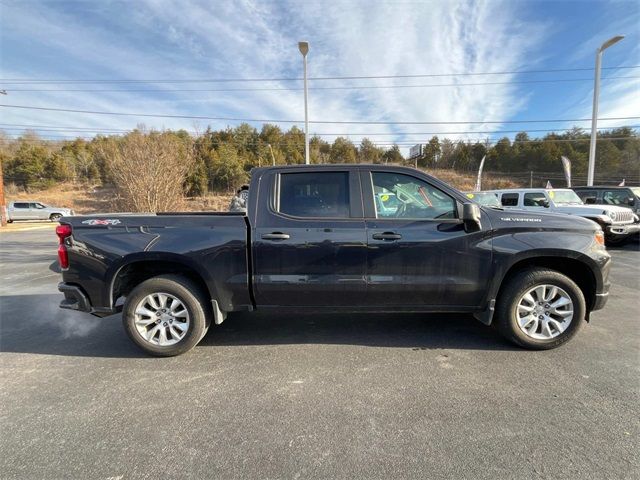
(516, 247)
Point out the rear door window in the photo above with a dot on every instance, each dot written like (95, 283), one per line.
(20, 205)
(313, 195)
(510, 199)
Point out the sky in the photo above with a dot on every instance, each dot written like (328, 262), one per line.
(184, 43)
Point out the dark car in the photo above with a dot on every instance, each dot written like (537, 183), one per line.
(620, 196)
(315, 238)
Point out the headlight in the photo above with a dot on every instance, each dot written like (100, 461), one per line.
(611, 215)
(599, 238)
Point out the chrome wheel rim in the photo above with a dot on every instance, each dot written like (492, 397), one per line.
(161, 319)
(544, 312)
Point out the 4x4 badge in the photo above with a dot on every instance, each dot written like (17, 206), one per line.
(101, 221)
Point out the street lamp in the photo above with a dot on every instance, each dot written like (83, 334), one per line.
(594, 117)
(304, 49)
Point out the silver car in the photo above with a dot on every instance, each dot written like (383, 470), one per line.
(28, 210)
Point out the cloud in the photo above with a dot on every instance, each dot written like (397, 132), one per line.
(153, 39)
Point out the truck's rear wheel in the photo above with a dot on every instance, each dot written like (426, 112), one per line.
(166, 315)
(540, 309)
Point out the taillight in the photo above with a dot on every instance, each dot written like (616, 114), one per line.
(63, 232)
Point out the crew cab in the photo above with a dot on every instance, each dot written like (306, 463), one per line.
(31, 210)
(365, 238)
(618, 223)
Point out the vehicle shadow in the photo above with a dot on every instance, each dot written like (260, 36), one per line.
(35, 324)
(632, 245)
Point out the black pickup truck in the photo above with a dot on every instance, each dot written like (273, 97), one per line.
(336, 238)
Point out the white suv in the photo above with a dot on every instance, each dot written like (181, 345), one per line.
(30, 210)
(618, 223)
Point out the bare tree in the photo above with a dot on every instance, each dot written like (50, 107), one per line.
(148, 169)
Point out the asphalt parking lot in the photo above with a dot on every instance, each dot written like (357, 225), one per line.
(360, 396)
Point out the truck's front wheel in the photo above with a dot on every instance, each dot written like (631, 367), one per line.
(540, 309)
(166, 315)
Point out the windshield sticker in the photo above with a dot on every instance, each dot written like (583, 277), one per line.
(520, 219)
(470, 195)
(102, 221)
(552, 194)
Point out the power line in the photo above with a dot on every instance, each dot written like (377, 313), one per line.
(280, 89)
(54, 128)
(342, 122)
(52, 138)
(15, 81)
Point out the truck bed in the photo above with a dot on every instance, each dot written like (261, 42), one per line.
(211, 245)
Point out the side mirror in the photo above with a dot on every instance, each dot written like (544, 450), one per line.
(471, 217)
(631, 201)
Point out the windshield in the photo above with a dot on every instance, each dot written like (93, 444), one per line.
(636, 191)
(564, 196)
(487, 199)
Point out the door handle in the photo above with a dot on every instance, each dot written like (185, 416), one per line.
(387, 236)
(275, 236)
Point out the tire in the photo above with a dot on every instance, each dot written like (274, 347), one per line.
(9, 221)
(54, 217)
(179, 337)
(512, 308)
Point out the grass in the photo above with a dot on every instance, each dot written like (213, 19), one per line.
(84, 199)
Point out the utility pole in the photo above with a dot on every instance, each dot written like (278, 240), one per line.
(304, 49)
(594, 116)
(3, 207)
(530, 178)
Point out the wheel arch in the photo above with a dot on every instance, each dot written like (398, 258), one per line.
(577, 269)
(140, 267)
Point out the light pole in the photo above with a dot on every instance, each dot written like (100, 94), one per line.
(594, 117)
(304, 49)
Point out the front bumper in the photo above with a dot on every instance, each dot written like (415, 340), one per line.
(76, 299)
(623, 230)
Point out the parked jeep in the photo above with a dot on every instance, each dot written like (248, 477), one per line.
(620, 196)
(618, 223)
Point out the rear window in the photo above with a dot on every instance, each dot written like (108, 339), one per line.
(510, 199)
(318, 194)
